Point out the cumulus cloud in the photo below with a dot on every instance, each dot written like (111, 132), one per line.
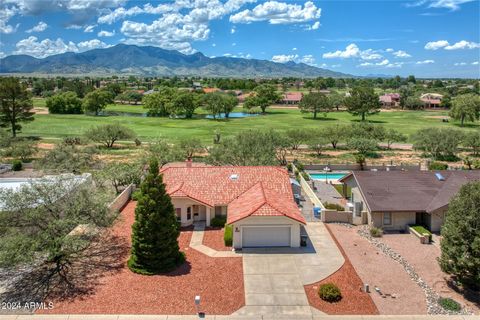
(40, 27)
(463, 44)
(283, 58)
(308, 59)
(6, 13)
(389, 50)
(41, 49)
(278, 13)
(425, 62)
(104, 33)
(316, 25)
(353, 51)
(475, 63)
(119, 13)
(401, 54)
(385, 63)
(460, 64)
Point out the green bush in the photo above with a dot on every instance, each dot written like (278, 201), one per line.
(376, 232)
(218, 221)
(421, 230)
(305, 176)
(449, 304)
(228, 235)
(289, 167)
(333, 206)
(437, 166)
(17, 165)
(299, 166)
(329, 292)
(136, 194)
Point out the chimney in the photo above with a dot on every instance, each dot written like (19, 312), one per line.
(188, 163)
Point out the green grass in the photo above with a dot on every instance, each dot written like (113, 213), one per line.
(49, 126)
(421, 230)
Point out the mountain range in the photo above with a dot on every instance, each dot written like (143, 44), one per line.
(154, 61)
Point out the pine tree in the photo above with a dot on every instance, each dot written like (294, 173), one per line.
(461, 236)
(155, 230)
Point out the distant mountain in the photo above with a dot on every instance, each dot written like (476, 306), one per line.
(153, 61)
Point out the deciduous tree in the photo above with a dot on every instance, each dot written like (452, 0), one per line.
(465, 107)
(363, 101)
(15, 105)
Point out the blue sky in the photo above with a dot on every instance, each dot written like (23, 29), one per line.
(427, 38)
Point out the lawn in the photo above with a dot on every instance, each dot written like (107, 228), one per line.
(57, 126)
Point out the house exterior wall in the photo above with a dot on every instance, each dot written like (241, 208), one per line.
(266, 221)
(436, 220)
(183, 204)
(400, 220)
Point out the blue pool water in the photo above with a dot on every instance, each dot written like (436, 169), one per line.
(328, 175)
(233, 115)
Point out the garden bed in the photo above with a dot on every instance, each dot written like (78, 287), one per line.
(213, 238)
(354, 301)
(420, 232)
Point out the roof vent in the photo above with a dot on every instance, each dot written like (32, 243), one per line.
(439, 176)
(234, 177)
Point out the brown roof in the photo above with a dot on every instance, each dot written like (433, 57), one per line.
(419, 191)
(259, 190)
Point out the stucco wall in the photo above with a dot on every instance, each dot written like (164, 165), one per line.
(400, 220)
(184, 204)
(437, 218)
(336, 216)
(257, 220)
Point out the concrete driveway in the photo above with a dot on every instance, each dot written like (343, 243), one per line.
(274, 277)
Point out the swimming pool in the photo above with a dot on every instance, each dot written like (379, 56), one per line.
(328, 176)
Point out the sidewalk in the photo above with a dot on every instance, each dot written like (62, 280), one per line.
(196, 242)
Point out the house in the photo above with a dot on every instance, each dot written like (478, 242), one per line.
(210, 90)
(431, 100)
(390, 100)
(292, 98)
(257, 201)
(392, 200)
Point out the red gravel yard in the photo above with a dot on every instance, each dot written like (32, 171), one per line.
(354, 301)
(219, 282)
(213, 238)
(378, 270)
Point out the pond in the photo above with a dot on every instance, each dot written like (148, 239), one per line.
(107, 113)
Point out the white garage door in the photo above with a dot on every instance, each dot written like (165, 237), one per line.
(275, 236)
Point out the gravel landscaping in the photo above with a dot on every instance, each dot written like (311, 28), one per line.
(213, 238)
(354, 301)
(400, 295)
(219, 282)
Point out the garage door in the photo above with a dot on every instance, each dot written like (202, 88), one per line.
(277, 236)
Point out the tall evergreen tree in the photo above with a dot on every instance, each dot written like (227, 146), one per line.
(15, 104)
(155, 230)
(461, 236)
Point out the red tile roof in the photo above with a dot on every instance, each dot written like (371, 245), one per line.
(263, 190)
(292, 96)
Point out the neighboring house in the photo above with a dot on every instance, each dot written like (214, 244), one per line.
(390, 100)
(392, 200)
(431, 100)
(257, 201)
(210, 90)
(292, 98)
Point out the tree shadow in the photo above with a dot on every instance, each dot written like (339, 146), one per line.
(369, 121)
(320, 119)
(471, 295)
(105, 256)
(466, 125)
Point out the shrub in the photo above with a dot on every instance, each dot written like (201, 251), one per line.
(73, 141)
(289, 167)
(376, 232)
(329, 292)
(17, 165)
(333, 206)
(136, 195)
(299, 166)
(228, 235)
(449, 304)
(218, 221)
(305, 176)
(437, 166)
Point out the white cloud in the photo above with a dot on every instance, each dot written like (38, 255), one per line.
(234, 44)
(475, 63)
(283, 58)
(214, 44)
(389, 50)
(41, 26)
(41, 49)
(278, 13)
(232, 31)
(463, 44)
(316, 25)
(2, 54)
(460, 64)
(294, 49)
(89, 28)
(447, 4)
(425, 62)
(308, 59)
(119, 13)
(6, 14)
(435, 45)
(353, 51)
(401, 54)
(104, 33)
(384, 63)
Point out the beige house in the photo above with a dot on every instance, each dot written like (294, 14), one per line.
(392, 200)
(256, 201)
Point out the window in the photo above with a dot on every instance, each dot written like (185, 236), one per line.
(387, 218)
(189, 216)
